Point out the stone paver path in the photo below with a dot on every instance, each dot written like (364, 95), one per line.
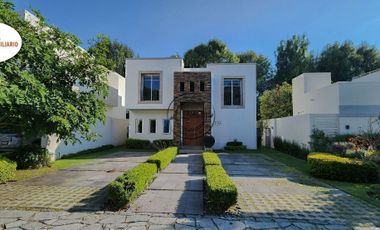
(177, 190)
(81, 187)
(270, 190)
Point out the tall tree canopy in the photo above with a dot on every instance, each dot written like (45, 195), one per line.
(276, 102)
(293, 58)
(215, 51)
(344, 61)
(39, 86)
(111, 54)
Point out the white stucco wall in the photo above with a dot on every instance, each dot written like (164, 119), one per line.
(146, 115)
(234, 123)
(356, 124)
(359, 93)
(166, 67)
(372, 76)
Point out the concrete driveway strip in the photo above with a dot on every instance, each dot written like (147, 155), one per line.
(82, 187)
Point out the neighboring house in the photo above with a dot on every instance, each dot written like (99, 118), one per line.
(168, 101)
(339, 108)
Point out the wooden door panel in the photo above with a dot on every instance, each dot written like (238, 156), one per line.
(193, 127)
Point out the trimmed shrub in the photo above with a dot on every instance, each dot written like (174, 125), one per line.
(138, 144)
(220, 191)
(291, 148)
(234, 143)
(88, 151)
(210, 158)
(163, 143)
(320, 142)
(130, 185)
(31, 156)
(163, 158)
(7, 170)
(333, 167)
(235, 148)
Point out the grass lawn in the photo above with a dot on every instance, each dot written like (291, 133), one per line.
(358, 190)
(69, 162)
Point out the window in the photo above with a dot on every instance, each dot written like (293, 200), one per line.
(201, 86)
(233, 92)
(191, 86)
(150, 87)
(139, 126)
(152, 126)
(166, 126)
(182, 86)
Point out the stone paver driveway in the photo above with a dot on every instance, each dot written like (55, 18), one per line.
(177, 190)
(81, 187)
(270, 190)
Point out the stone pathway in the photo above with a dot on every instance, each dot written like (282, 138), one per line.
(177, 190)
(270, 190)
(81, 187)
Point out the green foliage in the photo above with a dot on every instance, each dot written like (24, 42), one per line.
(220, 191)
(36, 86)
(319, 141)
(130, 185)
(210, 158)
(276, 102)
(291, 148)
(263, 65)
(235, 148)
(163, 158)
(333, 167)
(345, 61)
(215, 51)
(163, 143)
(111, 54)
(138, 144)
(31, 156)
(374, 191)
(7, 170)
(234, 143)
(293, 58)
(87, 151)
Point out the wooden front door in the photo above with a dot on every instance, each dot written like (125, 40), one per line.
(193, 128)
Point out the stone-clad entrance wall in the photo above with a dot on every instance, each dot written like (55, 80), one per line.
(188, 97)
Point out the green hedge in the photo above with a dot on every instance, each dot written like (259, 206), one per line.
(333, 167)
(210, 158)
(7, 170)
(235, 148)
(291, 148)
(130, 185)
(163, 143)
(220, 191)
(30, 156)
(163, 158)
(138, 144)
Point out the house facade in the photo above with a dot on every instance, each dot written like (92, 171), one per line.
(338, 108)
(165, 100)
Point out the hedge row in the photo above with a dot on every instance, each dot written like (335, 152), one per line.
(220, 191)
(7, 170)
(163, 158)
(333, 167)
(291, 148)
(138, 144)
(130, 185)
(210, 158)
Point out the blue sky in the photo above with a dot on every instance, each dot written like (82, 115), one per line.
(159, 28)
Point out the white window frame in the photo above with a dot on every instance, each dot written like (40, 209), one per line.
(140, 96)
(242, 92)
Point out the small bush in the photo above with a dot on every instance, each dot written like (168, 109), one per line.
(319, 141)
(7, 170)
(31, 156)
(333, 167)
(235, 148)
(220, 191)
(163, 143)
(88, 151)
(291, 148)
(130, 185)
(210, 158)
(163, 158)
(234, 143)
(138, 144)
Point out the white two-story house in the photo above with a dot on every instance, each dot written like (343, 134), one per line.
(165, 100)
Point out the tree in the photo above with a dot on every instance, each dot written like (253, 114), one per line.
(264, 70)
(111, 54)
(276, 102)
(293, 58)
(215, 51)
(39, 92)
(369, 58)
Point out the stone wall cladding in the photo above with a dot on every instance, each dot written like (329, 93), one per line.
(191, 97)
